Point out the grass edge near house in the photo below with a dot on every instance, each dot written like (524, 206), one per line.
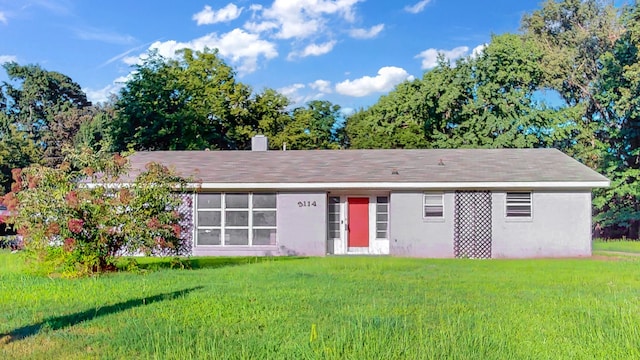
(617, 245)
(334, 307)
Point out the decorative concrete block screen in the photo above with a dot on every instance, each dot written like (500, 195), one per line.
(472, 234)
(186, 224)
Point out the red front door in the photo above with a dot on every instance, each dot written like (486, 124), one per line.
(358, 221)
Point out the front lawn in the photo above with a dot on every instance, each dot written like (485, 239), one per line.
(627, 246)
(329, 308)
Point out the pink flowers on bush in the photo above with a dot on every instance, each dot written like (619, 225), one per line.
(72, 199)
(119, 160)
(69, 244)
(153, 223)
(53, 229)
(124, 196)
(75, 225)
(176, 230)
(79, 229)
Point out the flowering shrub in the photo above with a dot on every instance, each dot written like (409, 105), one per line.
(80, 217)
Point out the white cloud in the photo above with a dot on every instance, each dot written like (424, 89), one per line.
(301, 19)
(291, 89)
(7, 58)
(417, 7)
(129, 60)
(133, 60)
(323, 86)
(3, 18)
(102, 95)
(387, 78)
(291, 92)
(104, 36)
(347, 111)
(60, 7)
(478, 50)
(123, 79)
(430, 56)
(313, 50)
(366, 33)
(259, 27)
(298, 94)
(209, 16)
(241, 47)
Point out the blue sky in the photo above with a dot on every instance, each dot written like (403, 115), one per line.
(346, 51)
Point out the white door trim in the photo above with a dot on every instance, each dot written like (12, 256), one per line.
(376, 246)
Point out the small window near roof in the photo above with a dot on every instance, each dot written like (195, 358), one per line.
(433, 205)
(518, 205)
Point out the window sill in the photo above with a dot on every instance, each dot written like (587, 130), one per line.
(433, 220)
(518, 219)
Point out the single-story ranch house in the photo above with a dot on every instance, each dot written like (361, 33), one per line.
(476, 203)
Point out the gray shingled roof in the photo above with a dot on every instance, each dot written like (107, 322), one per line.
(375, 166)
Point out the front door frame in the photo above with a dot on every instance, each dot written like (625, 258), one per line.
(376, 246)
(352, 228)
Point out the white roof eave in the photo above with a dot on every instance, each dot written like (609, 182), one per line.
(405, 185)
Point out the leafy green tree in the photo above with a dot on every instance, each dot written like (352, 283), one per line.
(502, 111)
(17, 150)
(75, 229)
(397, 120)
(269, 115)
(313, 126)
(46, 104)
(590, 59)
(619, 87)
(573, 35)
(193, 102)
(63, 129)
(40, 112)
(94, 133)
(487, 101)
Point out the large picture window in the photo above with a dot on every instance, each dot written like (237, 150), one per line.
(518, 204)
(236, 219)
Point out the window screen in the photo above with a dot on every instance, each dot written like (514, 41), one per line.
(382, 217)
(518, 204)
(433, 205)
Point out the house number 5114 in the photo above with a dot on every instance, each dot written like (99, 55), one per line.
(307, 203)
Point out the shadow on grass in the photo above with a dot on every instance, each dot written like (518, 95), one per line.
(209, 262)
(61, 322)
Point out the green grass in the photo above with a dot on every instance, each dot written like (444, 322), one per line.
(627, 246)
(329, 308)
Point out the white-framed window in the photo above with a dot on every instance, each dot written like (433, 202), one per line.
(333, 212)
(236, 219)
(209, 219)
(518, 204)
(433, 205)
(382, 217)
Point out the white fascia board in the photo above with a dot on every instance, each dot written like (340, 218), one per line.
(405, 185)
